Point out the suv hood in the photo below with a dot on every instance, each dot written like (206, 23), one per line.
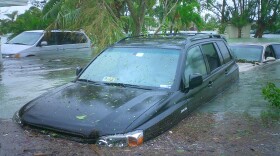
(89, 110)
(13, 48)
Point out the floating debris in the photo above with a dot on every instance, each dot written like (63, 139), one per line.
(81, 117)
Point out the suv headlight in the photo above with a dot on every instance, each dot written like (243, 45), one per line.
(16, 55)
(17, 119)
(131, 139)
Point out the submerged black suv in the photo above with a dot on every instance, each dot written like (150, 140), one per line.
(135, 89)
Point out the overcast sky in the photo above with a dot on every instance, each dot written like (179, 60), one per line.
(8, 10)
(20, 9)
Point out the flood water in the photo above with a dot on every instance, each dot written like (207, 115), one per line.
(22, 80)
(245, 96)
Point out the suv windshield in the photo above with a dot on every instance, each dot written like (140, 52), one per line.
(26, 38)
(134, 66)
(247, 52)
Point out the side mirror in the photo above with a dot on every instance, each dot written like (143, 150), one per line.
(44, 43)
(269, 59)
(195, 80)
(78, 70)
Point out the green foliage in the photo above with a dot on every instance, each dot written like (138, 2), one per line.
(272, 94)
(30, 20)
(97, 19)
(178, 15)
(106, 21)
(239, 20)
(188, 13)
(222, 28)
(211, 23)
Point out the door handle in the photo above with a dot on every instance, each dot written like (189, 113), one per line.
(226, 71)
(210, 83)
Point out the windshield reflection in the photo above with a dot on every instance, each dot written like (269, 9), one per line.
(134, 66)
(247, 52)
(26, 38)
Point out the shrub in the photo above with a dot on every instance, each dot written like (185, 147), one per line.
(272, 94)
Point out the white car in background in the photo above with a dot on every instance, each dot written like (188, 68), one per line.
(41, 43)
(250, 55)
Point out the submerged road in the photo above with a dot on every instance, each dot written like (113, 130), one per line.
(22, 80)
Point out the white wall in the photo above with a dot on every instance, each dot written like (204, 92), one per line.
(232, 31)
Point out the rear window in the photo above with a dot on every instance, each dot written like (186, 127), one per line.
(225, 52)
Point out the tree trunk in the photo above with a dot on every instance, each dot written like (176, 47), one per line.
(239, 32)
(223, 12)
(172, 25)
(260, 30)
(138, 16)
(138, 27)
(223, 19)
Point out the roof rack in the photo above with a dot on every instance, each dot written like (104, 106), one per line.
(205, 36)
(188, 36)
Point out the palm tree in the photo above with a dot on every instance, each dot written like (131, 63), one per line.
(101, 20)
(12, 16)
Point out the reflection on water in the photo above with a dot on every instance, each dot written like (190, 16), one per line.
(245, 96)
(21, 80)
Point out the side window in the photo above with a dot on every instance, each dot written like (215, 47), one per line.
(194, 63)
(212, 56)
(50, 37)
(64, 38)
(80, 38)
(71, 38)
(224, 50)
(269, 52)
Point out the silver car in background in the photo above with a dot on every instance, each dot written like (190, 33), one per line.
(248, 55)
(41, 43)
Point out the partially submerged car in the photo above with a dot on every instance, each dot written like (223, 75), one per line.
(135, 89)
(249, 55)
(42, 43)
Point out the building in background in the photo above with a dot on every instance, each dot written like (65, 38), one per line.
(232, 31)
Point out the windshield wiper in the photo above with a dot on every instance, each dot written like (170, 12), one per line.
(127, 85)
(18, 43)
(88, 81)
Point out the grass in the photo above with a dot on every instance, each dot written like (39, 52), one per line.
(271, 116)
